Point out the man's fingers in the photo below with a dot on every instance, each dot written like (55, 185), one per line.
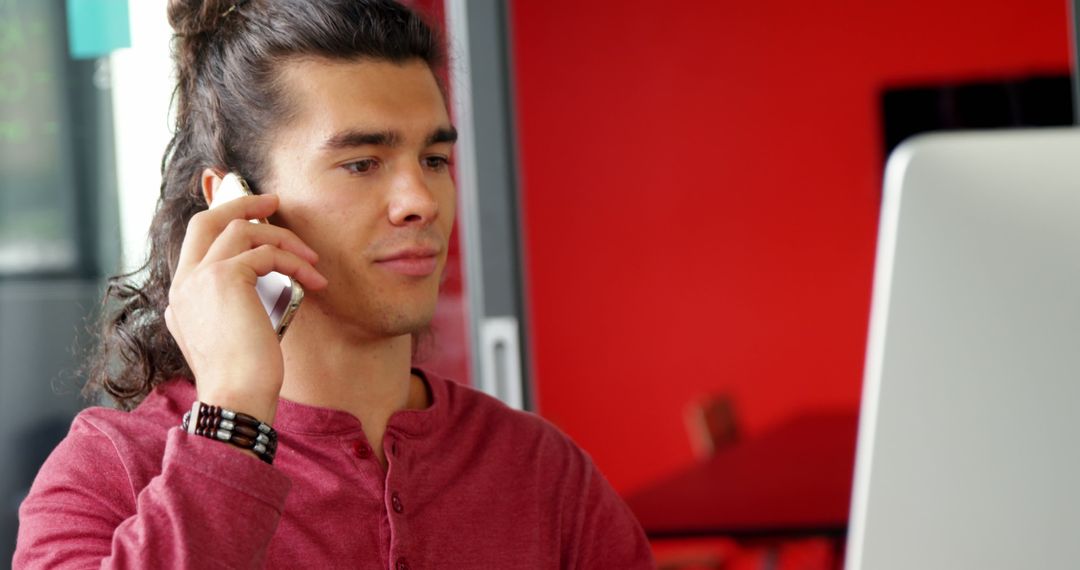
(241, 235)
(205, 226)
(267, 258)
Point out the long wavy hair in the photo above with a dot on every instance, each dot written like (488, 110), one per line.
(228, 101)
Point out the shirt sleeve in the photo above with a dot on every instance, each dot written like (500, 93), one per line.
(210, 507)
(610, 536)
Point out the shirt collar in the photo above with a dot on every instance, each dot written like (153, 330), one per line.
(294, 417)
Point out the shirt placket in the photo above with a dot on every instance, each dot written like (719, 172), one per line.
(373, 480)
(397, 500)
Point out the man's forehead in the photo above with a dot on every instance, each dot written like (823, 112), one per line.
(330, 97)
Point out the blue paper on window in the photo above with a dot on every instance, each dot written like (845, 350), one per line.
(97, 27)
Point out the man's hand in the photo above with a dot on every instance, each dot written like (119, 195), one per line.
(214, 312)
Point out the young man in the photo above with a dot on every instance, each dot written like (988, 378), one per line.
(333, 112)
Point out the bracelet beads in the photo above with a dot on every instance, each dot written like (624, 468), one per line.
(235, 428)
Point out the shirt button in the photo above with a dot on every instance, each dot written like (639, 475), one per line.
(401, 565)
(363, 450)
(396, 503)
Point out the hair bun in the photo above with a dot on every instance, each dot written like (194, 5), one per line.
(190, 17)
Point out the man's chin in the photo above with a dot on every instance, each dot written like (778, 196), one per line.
(373, 318)
(405, 327)
(390, 324)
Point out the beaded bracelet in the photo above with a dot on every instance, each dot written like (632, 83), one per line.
(236, 428)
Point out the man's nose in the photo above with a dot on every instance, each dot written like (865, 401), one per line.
(411, 201)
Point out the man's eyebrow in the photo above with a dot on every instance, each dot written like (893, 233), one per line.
(354, 138)
(442, 135)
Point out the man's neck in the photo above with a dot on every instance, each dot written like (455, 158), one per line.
(369, 378)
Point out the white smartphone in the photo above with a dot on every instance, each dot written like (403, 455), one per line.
(280, 294)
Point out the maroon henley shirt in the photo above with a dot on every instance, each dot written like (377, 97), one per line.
(471, 483)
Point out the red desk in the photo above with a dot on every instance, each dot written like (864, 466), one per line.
(792, 481)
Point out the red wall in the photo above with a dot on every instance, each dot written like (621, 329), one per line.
(701, 186)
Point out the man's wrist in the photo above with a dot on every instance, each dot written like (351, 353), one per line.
(256, 406)
(238, 429)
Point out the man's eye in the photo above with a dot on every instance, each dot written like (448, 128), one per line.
(360, 166)
(437, 162)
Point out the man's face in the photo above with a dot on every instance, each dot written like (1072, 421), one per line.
(362, 173)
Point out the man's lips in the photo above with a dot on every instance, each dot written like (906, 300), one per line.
(415, 261)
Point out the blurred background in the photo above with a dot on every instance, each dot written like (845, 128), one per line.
(666, 235)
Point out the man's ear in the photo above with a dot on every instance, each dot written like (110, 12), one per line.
(209, 182)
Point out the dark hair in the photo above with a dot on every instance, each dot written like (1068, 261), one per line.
(228, 101)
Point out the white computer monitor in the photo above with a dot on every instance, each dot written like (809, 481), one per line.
(969, 436)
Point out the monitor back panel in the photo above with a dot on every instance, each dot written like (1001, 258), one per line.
(969, 437)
